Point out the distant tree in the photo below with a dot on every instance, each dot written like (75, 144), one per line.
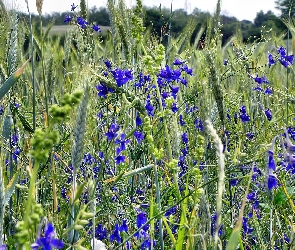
(99, 16)
(286, 7)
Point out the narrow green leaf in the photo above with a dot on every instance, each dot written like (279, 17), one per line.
(169, 231)
(234, 237)
(24, 121)
(79, 191)
(10, 187)
(183, 220)
(12, 80)
(8, 123)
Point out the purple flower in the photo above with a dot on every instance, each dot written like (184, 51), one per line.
(272, 182)
(138, 121)
(284, 62)
(82, 23)
(112, 132)
(1, 109)
(48, 242)
(16, 153)
(271, 162)
(67, 19)
(122, 76)
(120, 159)
(116, 234)
(178, 62)
(108, 64)
(73, 7)
(284, 59)
(271, 61)
(187, 70)
(141, 220)
(95, 28)
(103, 90)
(243, 115)
(100, 232)
(174, 107)
(181, 121)
(169, 74)
(139, 136)
(268, 114)
(174, 90)
(184, 138)
(149, 107)
(124, 226)
(282, 51)
(225, 62)
(122, 142)
(246, 228)
(268, 91)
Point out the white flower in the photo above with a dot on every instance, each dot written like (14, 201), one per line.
(98, 245)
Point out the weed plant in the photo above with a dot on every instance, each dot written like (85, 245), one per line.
(143, 142)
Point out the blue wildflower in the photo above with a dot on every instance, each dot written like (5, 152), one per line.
(139, 136)
(48, 242)
(73, 7)
(120, 159)
(271, 162)
(116, 234)
(82, 22)
(271, 61)
(268, 114)
(268, 91)
(181, 121)
(122, 142)
(1, 109)
(142, 220)
(124, 226)
(138, 121)
(95, 28)
(178, 62)
(243, 114)
(149, 107)
(174, 107)
(108, 63)
(225, 62)
(272, 181)
(67, 19)
(100, 232)
(112, 132)
(188, 70)
(103, 90)
(122, 76)
(184, 138)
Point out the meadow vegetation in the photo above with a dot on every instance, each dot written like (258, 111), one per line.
(137, 140)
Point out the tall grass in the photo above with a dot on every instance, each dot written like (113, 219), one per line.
(168, 146)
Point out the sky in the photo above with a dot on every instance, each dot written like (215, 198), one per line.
(241, 9)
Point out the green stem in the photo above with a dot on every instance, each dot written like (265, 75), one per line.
(158, 195)
(33, 69)
(170, 157)
(43, 69)
(30, 195)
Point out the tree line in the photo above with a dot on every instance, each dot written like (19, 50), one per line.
(157, 18)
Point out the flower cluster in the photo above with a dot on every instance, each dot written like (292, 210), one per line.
(243, 114)
(283, 58)
(82, 23)
(260, 81)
